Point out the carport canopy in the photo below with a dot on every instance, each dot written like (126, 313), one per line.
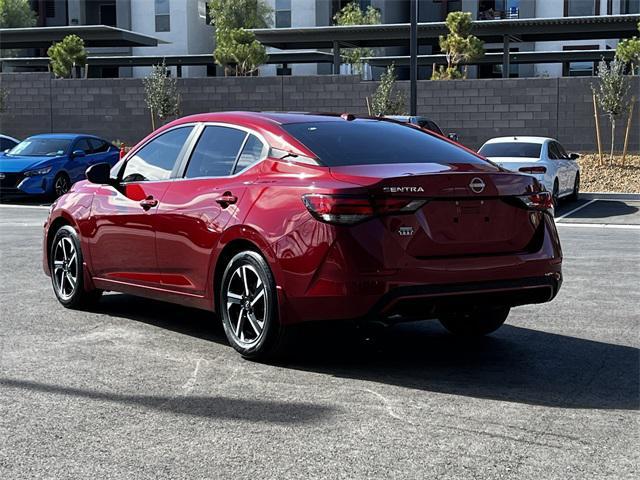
(93, 36)
(287, 57)
(490, 31)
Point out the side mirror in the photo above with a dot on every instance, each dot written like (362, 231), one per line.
(574, 156)
(6, 150)
(99, 173)
(78, 154)
(453, 136)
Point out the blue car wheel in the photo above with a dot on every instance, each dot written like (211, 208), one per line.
(61, 184)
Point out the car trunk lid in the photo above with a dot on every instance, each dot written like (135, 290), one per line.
(462, 212)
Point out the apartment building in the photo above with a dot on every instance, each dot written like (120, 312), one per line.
(183, 24)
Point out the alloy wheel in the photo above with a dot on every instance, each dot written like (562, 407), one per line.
(61, 186)
(247, 305)
(65, 267)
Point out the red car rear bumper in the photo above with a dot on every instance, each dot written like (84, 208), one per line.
(421, 288)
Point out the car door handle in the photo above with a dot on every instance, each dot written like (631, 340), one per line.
(226, 199)
(148, 202)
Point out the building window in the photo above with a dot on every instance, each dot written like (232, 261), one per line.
(581, 8)
(50, 9)
(579, 69)
(108, 14)
(629, 6)
(283, 13)
(283, 69)
(163, 23)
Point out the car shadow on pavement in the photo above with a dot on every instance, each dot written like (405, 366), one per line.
(514, 364)
(604, 209)
(266, 411)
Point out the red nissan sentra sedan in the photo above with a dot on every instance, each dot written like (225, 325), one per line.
(271, 219)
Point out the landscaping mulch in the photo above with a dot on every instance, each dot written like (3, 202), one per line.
(614, 177)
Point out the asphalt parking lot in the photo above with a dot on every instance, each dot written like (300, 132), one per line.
(141, 389)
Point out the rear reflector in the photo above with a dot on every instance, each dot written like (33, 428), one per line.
(347, 210)
(538, 201)
(533, 170)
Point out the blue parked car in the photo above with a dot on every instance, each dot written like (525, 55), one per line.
(49, 164)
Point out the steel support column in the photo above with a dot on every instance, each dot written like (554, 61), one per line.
(413, 63)
(336, 58)
(505, 56)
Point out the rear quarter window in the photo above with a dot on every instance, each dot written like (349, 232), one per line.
(371, 142)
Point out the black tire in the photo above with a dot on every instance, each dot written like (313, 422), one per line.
(251, 322)
(61, 185)
(67, 273)
(576, 189)
(555, 195)
(475, 323)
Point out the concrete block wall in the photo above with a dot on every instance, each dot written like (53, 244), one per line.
(475, 109)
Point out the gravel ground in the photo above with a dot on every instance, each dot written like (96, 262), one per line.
(610, 178)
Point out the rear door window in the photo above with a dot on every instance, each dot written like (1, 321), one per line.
(84, 145)
(216, 152)
(370, 142)
(99, 146)
(561, 151)
(155, 161)
(253, 151)
(554, 153)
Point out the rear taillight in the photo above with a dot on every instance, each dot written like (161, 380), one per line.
(347, 210)
(533, 170)
(538, 201)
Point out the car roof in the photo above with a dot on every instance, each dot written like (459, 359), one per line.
(8, 137)
(69, 136)
(263, 118)
(519, 139)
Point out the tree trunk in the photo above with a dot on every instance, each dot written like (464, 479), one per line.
(613, 139)
(153, 121)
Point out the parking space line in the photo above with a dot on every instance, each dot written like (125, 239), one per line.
(577, 208)
(37, 207)
(598, 225)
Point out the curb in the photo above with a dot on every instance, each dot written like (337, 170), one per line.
(609, 196)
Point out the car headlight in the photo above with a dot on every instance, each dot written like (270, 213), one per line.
(39, 171)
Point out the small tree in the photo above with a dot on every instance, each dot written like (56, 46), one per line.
(385, 100)
(611, 91)
(15, 14)
(66, 55)
(237, 50)
(459, 46)
(628, 52)
(161, 94)
(241, 50)
(352, 14)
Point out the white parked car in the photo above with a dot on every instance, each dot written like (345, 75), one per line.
(542, 157)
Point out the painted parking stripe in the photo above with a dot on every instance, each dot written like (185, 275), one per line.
(36, 207)
(598, 225)
(571, 212)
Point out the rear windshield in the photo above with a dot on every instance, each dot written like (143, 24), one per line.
(513, 149)
(367, 142)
